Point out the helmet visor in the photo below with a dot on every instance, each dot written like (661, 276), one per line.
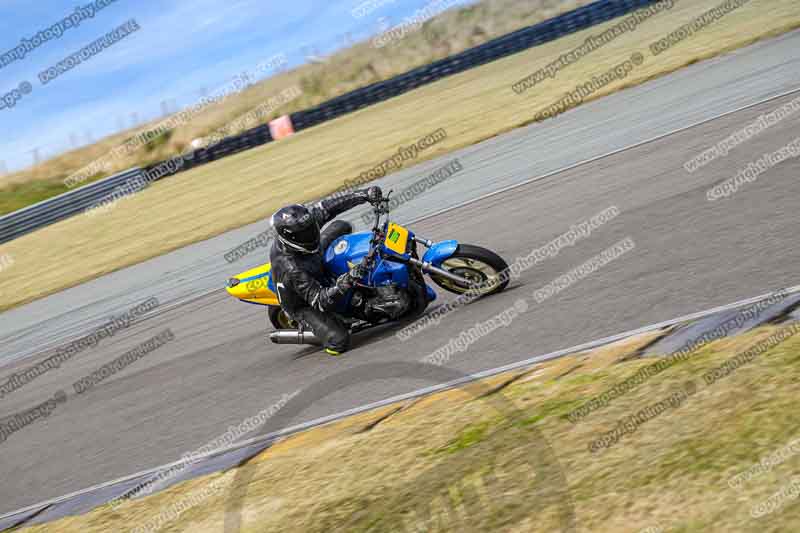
(305, 235)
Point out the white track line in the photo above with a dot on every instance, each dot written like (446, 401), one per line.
(414, 394)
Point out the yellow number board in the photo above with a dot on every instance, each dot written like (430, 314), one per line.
(396, 238)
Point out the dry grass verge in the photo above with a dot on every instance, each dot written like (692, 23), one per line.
(452, 462)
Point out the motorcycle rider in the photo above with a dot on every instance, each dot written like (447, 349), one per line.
(304, 289)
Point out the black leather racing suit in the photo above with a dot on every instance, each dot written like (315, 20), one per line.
(301, 280)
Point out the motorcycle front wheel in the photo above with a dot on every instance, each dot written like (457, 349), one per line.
(480, 266)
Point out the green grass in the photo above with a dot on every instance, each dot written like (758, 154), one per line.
(558, 408)
(22, 195)
(468, 437)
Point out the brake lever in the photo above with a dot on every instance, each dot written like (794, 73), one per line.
(383, 203)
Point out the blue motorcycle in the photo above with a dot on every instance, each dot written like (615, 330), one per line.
(394, 287)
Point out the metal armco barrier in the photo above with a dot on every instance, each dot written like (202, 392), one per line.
(573, 21)
(512, 43)
(60, 207)
(244, 141)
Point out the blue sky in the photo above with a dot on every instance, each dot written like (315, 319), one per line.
(183, 46)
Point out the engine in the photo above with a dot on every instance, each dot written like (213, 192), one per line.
(387, 301)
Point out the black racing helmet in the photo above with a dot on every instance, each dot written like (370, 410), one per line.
(297, 228)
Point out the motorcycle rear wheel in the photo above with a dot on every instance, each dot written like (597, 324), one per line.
(479, 265)
(279, 318)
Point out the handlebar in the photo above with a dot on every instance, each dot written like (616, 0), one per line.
(380, 208)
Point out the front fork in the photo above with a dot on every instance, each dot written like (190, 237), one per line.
(430, 268)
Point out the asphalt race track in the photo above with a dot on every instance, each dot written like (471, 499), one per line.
(690, 254)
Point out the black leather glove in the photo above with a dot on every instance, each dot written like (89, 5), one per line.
(373, 194)
(346, 281)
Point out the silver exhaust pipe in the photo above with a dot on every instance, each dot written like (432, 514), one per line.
(293, 336)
